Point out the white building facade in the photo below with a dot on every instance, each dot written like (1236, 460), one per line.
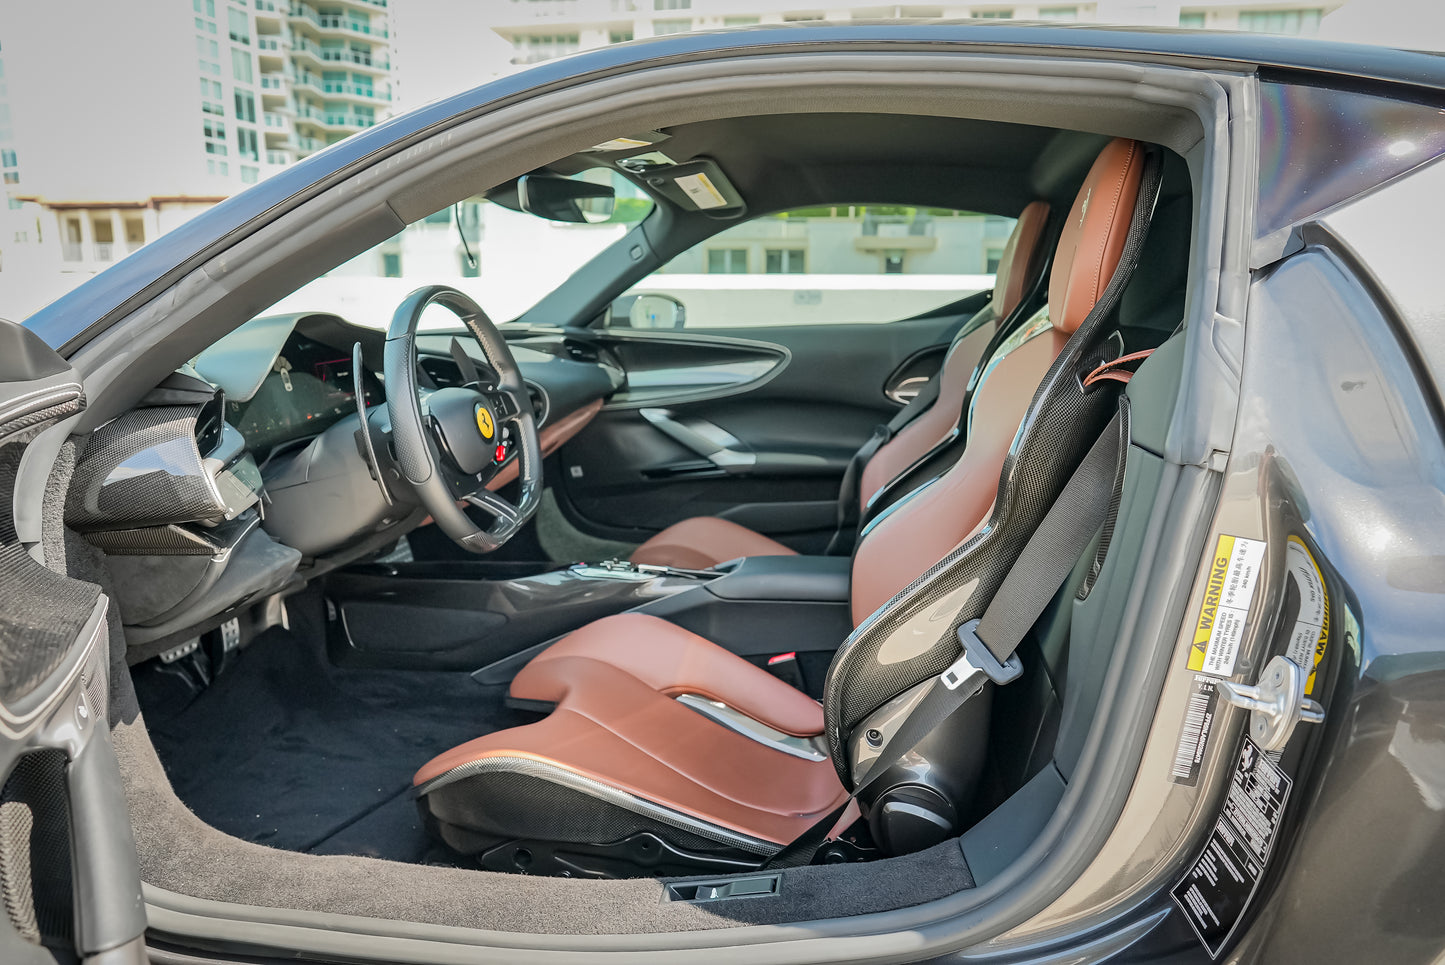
(541, 29)
(118, 123)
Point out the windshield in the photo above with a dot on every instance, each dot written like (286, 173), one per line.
(504, 259)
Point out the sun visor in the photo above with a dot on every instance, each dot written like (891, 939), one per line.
(698, 185)
(239, 362)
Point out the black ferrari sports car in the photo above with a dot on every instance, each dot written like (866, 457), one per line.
(848, 493)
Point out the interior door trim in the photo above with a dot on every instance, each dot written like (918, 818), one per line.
(783, 354)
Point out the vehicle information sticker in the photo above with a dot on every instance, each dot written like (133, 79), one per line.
(1194, 735)
(1233, 574)
(1306, 646)
(1218, 887)
(702, 191)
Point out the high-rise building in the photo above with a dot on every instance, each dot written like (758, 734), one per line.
(119, 122)
(541, 29)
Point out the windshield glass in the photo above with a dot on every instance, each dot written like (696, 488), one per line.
(506, 260)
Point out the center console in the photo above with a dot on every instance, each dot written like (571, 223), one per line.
(495, 616)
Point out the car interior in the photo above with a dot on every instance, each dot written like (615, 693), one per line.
(422, 622)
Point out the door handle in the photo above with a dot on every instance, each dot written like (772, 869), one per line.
(713, 443)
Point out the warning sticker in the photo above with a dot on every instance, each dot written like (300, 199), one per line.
(1194, 735)
(620, 144)
(1306, 645)
(1233, 573)
(1218, 887)
(700, 189)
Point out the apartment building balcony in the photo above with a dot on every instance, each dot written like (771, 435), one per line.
(333, 24)
(535, 14)
(325, 56)
(307, 83)
(270, 11)
(279, 158)
(336, 90)
(335, 121)
(277, 123)
(307, 145)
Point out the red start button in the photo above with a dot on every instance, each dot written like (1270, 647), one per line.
(501, 455)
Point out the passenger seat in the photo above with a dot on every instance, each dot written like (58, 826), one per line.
(705, 541)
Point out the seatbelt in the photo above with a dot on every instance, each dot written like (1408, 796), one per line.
(846, 519)
(989, 643)
(848, 495)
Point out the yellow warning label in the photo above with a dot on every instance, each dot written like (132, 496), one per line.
(1228, 590)
(1311, 631)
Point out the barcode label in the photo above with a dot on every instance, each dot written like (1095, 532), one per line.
(1194, 735)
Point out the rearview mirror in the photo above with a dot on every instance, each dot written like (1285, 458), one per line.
(563, 199)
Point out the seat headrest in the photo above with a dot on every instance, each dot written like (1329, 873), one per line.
(1093, 238)
(1019, 261)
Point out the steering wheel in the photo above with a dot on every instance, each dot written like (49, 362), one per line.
(454, 441)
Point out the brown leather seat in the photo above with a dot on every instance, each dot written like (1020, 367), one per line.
(704, 541)
(621, 749)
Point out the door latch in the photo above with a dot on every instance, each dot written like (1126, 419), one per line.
(1277, 702)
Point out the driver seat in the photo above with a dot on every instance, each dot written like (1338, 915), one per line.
(700, 542)
(666, 754)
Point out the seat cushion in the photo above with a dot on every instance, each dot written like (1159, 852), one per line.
(705, 541)
(613, 738)
(671, 661)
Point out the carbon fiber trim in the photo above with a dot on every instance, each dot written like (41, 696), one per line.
(41, 407)
(495, 801)
(44, 612)
(912, 636)
(35, 878)
(143, 468)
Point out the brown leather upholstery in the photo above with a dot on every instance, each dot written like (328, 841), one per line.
(922, 530)
(673, 661)
(704, 541)
(1093, 238)
(700, 542)
(616, 720)
(1020, 261)
(611, 727)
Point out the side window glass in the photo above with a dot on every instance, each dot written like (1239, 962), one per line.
(842, 264)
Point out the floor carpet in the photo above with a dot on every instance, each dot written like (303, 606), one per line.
(285, 749)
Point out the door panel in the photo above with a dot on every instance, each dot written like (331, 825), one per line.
(67, 856)
(766, 448)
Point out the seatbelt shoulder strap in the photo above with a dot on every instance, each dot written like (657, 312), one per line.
(988, 644)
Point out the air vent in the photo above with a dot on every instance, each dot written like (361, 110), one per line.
(541, 405)
(579, 350)
(442, 372)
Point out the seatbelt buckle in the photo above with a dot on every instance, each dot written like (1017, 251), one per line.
(977, 660)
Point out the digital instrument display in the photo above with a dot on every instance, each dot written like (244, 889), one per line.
(309, 388)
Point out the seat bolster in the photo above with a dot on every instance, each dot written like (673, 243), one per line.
(671, 661)
(615, 733)
(704, 541)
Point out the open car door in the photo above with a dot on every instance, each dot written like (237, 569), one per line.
(68, 868)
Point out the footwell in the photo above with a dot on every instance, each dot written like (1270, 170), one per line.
(287, 750)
